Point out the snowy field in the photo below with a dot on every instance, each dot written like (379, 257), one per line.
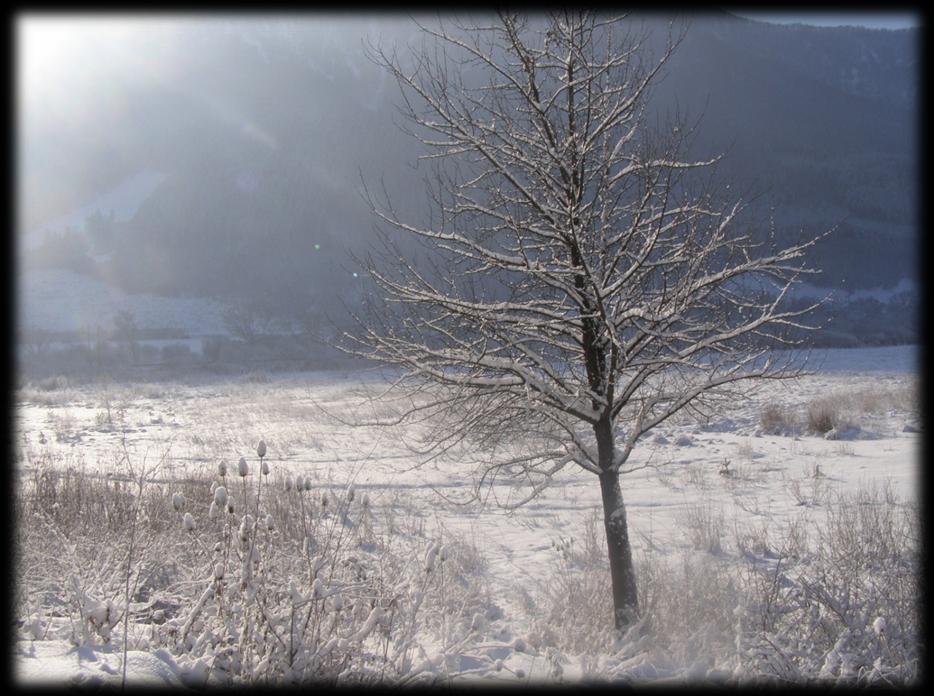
(747, 493)
(61, 300)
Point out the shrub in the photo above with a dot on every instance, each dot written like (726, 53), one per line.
(833, 603)
(841, 409)
(302, 588)
(848, 611)
(278, 587)
(57, 383)
(822, 416)
(704, 526)
(688, 604)
(777, 420)
(573, 612)
(212, 348)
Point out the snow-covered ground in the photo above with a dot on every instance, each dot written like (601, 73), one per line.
(772, 479)
(805, 290)
(65, 301)
(884, 359)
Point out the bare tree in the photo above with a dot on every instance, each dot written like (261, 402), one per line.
(577, 287)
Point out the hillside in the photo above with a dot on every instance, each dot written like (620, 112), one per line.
(262, 133)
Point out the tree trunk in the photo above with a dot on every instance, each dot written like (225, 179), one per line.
(622, 572)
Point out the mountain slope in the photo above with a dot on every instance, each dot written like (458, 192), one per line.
(264, 130)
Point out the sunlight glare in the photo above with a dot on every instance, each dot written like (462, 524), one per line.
(55, 51)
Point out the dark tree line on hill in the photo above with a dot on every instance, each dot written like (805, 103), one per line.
(267, 130)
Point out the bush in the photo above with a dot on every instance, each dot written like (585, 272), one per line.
(573, 612)
(848, 612)
(841, 409)
(837, 603)
(281, 584)
(212, 348)
(704, 526)
(688, 605)
(777, 420)
(822, 416)
(51, 384)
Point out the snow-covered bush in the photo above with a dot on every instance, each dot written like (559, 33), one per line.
(836, 602)
(573, 611)
(276, 587)
(80, 540)
(304, 587)
(776, 419)
(843, 410)
(704, 526)
(688, 602)
(822, 415)
(56, 383)
(848, 611)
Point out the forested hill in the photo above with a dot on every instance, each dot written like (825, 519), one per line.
(263, 132)
(821, 124)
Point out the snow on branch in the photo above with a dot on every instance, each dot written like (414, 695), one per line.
(575, 277)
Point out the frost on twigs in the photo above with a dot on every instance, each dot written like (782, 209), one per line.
(232, 600)
(637, 293)
(345, 611)
(825, 618)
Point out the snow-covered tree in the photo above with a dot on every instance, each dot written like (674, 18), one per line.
(580, 284)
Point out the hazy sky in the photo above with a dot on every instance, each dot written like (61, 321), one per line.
(875, 20)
